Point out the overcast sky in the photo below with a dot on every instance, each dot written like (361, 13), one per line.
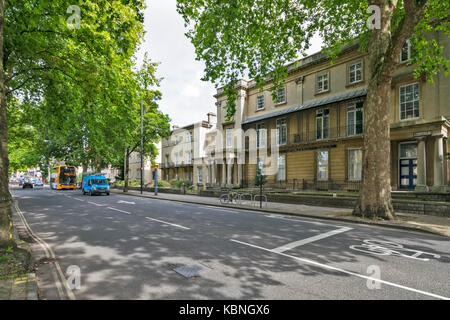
(186, 99)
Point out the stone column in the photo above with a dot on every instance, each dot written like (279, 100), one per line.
(224, 173)
(421, 184)
(213, 173)
(240, 174)
(229, 173)
(438, 185)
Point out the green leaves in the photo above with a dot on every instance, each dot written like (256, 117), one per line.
(79, 86)
(257, 38)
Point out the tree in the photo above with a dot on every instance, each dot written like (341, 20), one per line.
(261, 37)
(155, 123)
(44, 58)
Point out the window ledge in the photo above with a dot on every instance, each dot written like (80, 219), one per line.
(280, 103)
(321, 92)
(262, 109)
(354, 84)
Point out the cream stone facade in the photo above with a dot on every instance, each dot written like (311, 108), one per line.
(184, 153)
(312, 137)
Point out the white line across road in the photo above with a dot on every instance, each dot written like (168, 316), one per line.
(119, 210)
(298, 243)
(344, 271)
(79, 199)
(96, 204)
(171, 224)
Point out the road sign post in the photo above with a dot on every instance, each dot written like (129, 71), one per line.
(155, 177)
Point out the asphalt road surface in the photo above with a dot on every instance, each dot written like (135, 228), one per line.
(125, 247)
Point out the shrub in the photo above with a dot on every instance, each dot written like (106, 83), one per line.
(163, 184)
(179, 184)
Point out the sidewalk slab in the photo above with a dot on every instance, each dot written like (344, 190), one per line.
(405, 221)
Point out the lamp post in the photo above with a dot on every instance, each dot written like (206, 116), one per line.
(142, 147)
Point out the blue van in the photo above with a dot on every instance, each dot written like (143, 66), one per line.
(95, 185)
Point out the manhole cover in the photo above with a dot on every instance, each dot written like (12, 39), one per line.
(189, 271)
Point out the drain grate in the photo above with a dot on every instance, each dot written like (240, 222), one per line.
(189, 271)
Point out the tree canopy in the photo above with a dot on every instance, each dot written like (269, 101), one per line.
(259, 38)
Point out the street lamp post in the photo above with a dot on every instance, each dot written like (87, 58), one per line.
(142, 147)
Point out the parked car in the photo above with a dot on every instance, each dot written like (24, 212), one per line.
(95, 185)
(38, 183)
(27, 184)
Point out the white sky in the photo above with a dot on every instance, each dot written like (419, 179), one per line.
(185, 98)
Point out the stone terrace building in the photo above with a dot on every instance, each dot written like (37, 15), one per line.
(183, 152)
(317, 125)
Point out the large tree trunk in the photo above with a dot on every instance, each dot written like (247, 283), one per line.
(125, 170)
(5, 196)
(375, 194)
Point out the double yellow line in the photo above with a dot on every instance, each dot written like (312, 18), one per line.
(50, 255)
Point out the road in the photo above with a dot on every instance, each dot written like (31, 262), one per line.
(125, 247)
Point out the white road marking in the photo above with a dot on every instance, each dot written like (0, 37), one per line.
(172, 224)
(345, 271)
(79, 199)
(97, 204)
(298, 243)
(119, 210)
(49, 254)
(121, 201)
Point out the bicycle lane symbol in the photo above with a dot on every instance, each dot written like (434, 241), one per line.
(386, 248)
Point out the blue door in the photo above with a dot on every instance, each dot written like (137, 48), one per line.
(408, 173)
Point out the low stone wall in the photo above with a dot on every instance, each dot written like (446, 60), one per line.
(401, 205)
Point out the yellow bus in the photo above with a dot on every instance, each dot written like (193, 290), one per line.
(63, 177)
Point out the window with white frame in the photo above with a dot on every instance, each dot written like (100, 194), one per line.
(188, 137)
(229, 137)
(189, 157)
(176, 159)
(322, 165)
(260, 135)
(281, 95)
(281, 132)
(322, 83)
(355, 72)
(260, 102)
(166, 161)
(405, 54)
(322, 124)
(354, 164)
(354, 118)
(199, 175)
(281, 172)
(409, 101)
(166, 142)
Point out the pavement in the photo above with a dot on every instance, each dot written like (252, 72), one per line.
(127, 247)
(407, 221)
(21, 288)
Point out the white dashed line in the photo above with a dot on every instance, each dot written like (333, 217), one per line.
(171, 224)
(119, 210)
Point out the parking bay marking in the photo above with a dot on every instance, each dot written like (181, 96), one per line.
(298, 243)
(172, 224)
(344, 271)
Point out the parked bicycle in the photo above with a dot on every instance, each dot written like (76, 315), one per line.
(229, 197)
